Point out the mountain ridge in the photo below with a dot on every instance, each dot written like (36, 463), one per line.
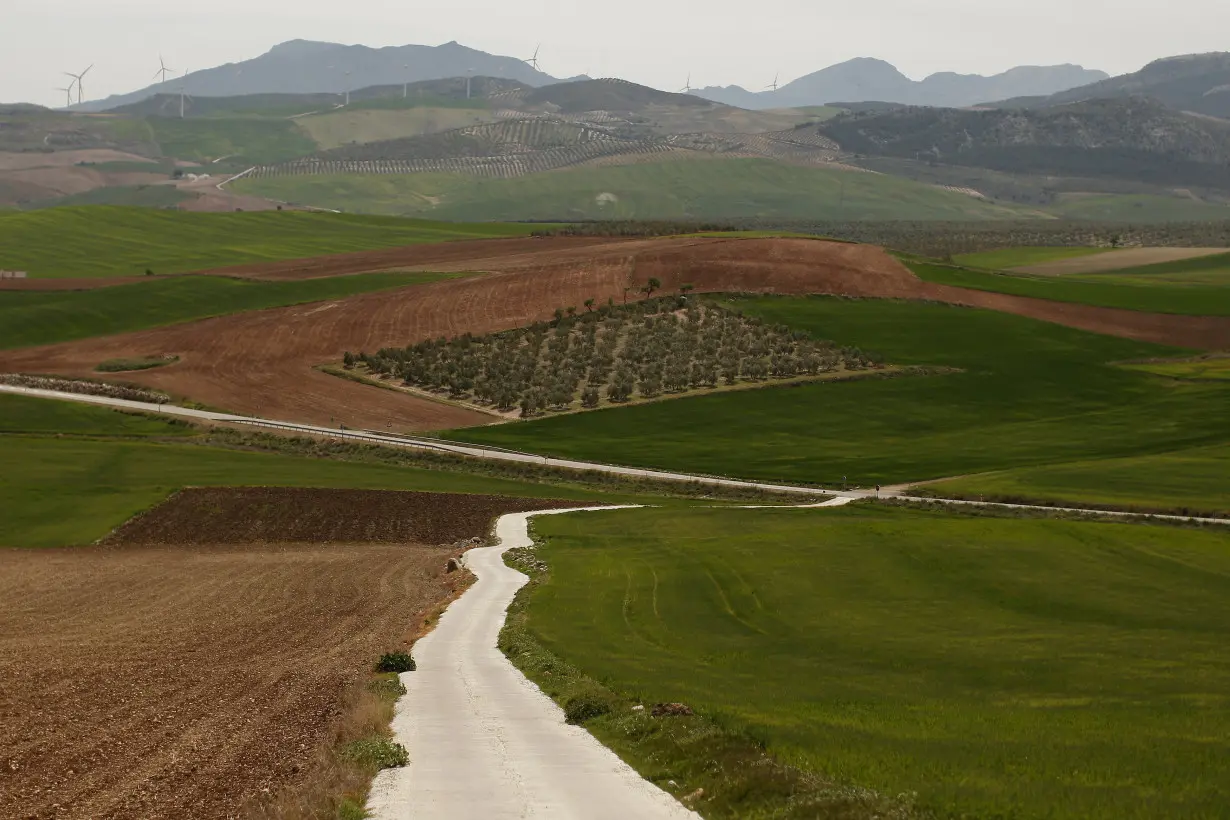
(1197, 83)
(310, 66)
(865, 79)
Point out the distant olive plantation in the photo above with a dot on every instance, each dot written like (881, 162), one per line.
(611, 354)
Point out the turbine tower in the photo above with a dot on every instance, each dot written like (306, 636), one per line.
(184, 96)
(69, 93)
(80, 85)
(405, 88)
(163, 70)
(532, 62)
(773, 85)
(347, 88)
(687, 86)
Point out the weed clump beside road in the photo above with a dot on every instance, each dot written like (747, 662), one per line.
(376, 753)
(396, 662)
(610, 354)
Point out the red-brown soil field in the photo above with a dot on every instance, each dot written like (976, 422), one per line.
(261, 362)
(156, 680)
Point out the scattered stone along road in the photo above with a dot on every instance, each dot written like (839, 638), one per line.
(494, 454)
(485, 743)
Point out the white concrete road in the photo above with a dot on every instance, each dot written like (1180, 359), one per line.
(494, 454)
(485, 743)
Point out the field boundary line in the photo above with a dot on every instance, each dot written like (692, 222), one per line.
(474, 451)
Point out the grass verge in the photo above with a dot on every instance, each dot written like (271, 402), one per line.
(336, 782)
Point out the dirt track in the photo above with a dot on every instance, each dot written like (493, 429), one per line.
(261, 362)
(180, 681)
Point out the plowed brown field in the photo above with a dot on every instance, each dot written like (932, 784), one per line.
(261, 362)
(156, 681)
(261, 515)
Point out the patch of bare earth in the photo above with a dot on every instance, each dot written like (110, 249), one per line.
(1118, 260)
(262, 362)
(199, 677)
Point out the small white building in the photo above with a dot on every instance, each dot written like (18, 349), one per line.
(12, 274)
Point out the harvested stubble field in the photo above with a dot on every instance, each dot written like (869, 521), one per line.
(261, 363)
(193, 679)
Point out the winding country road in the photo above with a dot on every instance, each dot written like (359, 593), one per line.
(485, 743)
(495, 454)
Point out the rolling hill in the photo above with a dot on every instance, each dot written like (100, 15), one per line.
(1132, 138)
(1199, 83)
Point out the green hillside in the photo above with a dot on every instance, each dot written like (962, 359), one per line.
(696, 189)
(245, 141)
(114, 241)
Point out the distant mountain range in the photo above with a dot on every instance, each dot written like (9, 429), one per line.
(1199, 83)
(865, 79)
(306, 67)
(303, 67)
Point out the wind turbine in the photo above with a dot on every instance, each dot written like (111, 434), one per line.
(532, 62)
(69, 92)
(164, 71)
(183, 93)
(347, 88)
(687, 87)
(773, 85)
(80, 85)
(405, 88)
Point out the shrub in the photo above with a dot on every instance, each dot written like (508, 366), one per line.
(587, 704)
(376, 753)
(396, 662)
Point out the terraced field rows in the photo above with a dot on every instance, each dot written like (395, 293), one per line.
(520, 144)
(498, 167)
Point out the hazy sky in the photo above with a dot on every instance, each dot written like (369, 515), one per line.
(655, 42)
